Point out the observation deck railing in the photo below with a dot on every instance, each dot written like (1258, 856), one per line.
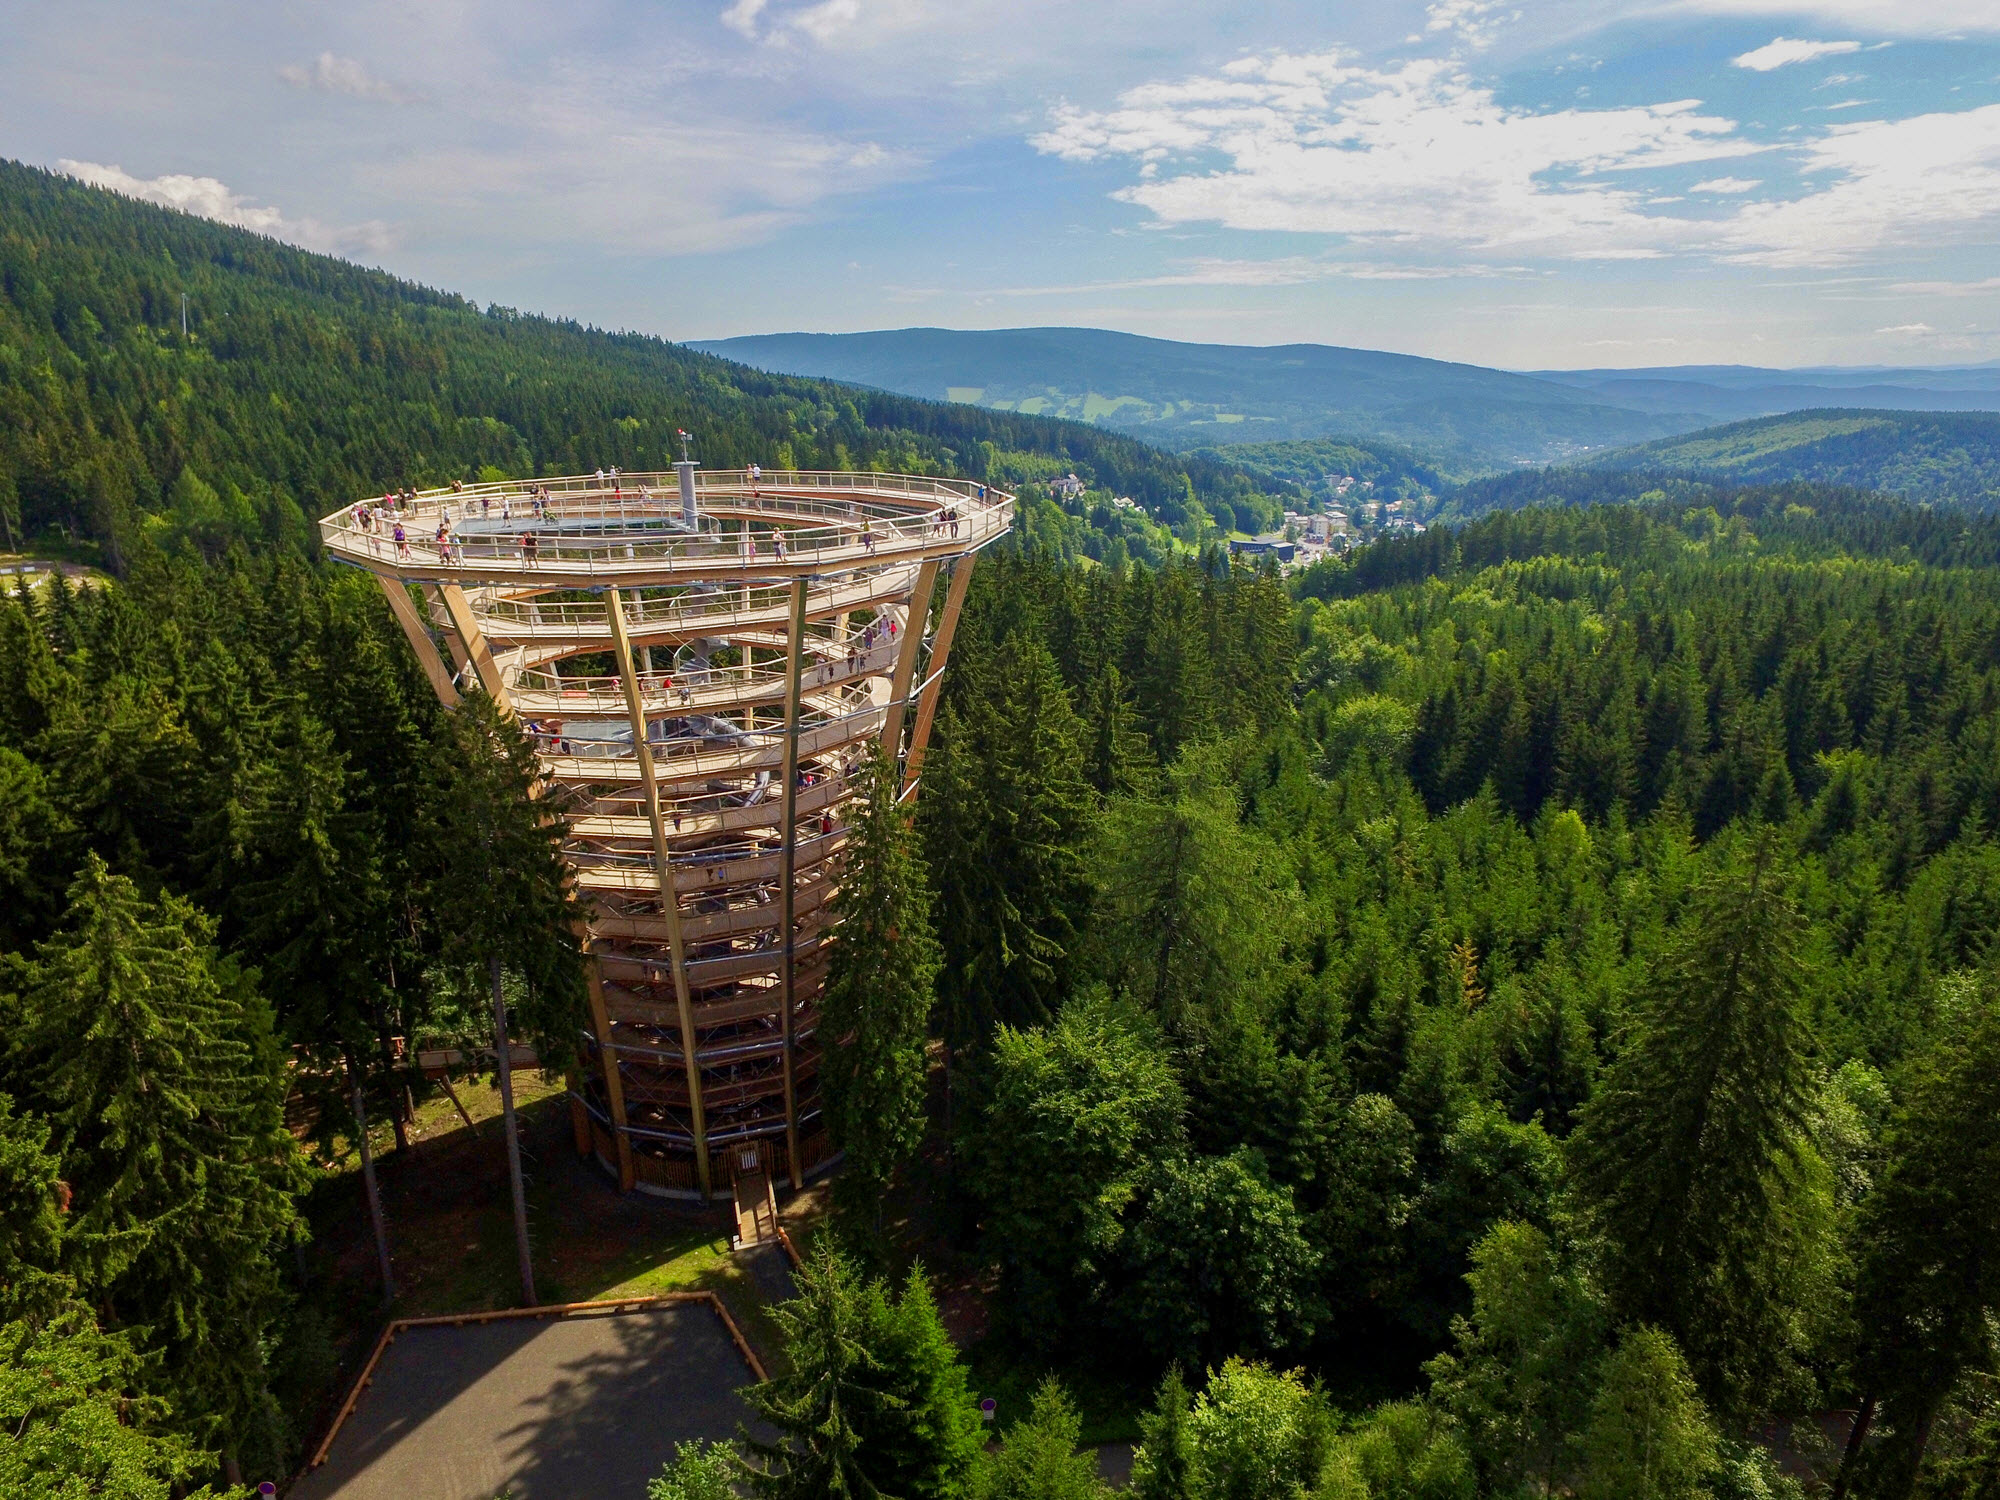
(872, 517)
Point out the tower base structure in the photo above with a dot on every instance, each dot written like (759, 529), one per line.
(702, 660)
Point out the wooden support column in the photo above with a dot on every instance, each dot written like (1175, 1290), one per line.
(614, 1085)
(435, 601)
(467, 626)
(906, 658)
(794, 667)
(670, 906)
(954, 600)
(420, 639)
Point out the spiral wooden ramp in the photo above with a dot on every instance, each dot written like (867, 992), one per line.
(702, 660)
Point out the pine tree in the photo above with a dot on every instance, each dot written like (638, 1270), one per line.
(1695, 1156)
(879, 990)
(154, 1060)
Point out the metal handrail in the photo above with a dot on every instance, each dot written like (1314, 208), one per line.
(715, 601)
(682, 686)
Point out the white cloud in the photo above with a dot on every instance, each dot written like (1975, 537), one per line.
(842, 24)
(1420, 156)
(1920, 183)
(1988, 287)
(1783, 51)
(741, 17)
(1908, 328)
(1471, 21)
(340, 75)
(636, 172)
(1416, 153)
(207, 198)
(1883, 17)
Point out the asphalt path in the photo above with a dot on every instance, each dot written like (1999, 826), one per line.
(584, 1406)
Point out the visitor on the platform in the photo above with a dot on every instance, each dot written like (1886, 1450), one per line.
(402, 542)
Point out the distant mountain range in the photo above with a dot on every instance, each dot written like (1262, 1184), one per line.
(1465, 419)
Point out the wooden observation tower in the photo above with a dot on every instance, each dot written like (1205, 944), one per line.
(702, 660)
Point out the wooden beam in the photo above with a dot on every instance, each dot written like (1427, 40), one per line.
(435, 601)
(467, 626)
(670, 907)
(906, 658)
(954, 600)
(420, 640)
(788, 824)
(614, 1086)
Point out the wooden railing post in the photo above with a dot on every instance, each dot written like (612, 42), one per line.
(670, 906)
(795, 666)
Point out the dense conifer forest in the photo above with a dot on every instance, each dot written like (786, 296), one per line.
(1509, 1013)
(304, 383)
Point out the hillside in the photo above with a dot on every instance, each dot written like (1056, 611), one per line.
(1199, 395)
(304, 381)
(1929, 457)
(1314, 465)
(1732, 393)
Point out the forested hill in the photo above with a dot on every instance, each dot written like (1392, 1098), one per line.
(305, 381)
(1930, 457)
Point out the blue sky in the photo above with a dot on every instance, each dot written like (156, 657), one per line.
(1522, 184)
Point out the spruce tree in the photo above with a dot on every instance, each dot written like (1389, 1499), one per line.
(879, 990)
(1929, 1236)
(1006, 814)
(836, 1386)
(154, 1060)
(499, 894)
(1170, 665)
(30, 1217)
(1695, 1156)
(1117, 759)
(1162, 1461)
(1191, 906)
(1040, 1458)
(931, 1434)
